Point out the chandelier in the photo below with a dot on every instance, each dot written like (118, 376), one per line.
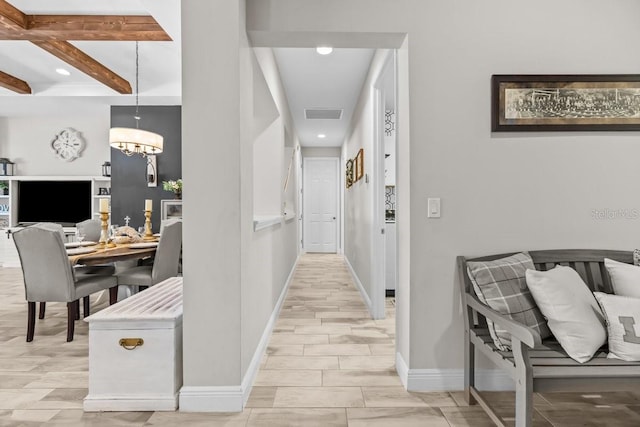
(135, 140)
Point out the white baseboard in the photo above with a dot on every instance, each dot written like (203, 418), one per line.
(450, 379)
(233, 398)
(358, 283)
(125, 404)
(211, 399)
(402, 369)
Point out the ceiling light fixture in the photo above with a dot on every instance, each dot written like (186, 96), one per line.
(136, 141)
(322, 135)
(63, 72)
(324, 50)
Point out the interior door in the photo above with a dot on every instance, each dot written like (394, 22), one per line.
(320, 205)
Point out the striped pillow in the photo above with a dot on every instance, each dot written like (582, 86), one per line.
(502, 286)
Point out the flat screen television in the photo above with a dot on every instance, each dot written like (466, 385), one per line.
(64, 202)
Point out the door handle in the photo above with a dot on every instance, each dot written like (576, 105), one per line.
(334, 218)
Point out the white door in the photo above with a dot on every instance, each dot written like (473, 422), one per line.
(320, 200)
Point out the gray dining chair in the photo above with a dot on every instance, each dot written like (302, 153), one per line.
(165, 262)
(49, 277)
(91, 228)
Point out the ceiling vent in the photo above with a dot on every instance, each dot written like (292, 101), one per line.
(323, 113)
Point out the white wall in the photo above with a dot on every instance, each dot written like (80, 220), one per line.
(359, 199)
(212, 206)
(268, 256)
(267, 170)
(500, 192)
(27, 142)
(321, 152)
(233, 275)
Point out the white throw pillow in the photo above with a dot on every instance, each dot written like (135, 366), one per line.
(625, 278)
(623, 325)
(572, 312)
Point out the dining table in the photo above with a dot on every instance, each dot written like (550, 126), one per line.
(104, 255)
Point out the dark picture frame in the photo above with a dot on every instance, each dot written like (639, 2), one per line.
(568, 102)
(359, 164)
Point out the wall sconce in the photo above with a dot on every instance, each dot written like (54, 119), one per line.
(106, 169)
(6, 167)
(152, 170)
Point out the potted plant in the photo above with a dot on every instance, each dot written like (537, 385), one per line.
(4, 187)
(174, 186)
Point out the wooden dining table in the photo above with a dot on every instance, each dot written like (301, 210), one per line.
(121, 252)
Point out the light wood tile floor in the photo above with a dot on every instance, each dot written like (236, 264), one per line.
(328, 364)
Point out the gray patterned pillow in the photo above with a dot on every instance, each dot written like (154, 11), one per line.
(502, 286)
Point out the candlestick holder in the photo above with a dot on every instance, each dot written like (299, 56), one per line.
(148, 235)
(104, 234)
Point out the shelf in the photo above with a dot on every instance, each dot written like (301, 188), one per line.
(4, 196)
(102, 196)
(4, 213)
(55, 178)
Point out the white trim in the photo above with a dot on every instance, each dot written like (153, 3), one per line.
(262, 222)
(378, 239)
(450, 379)
(211, 399)
(402, 369)
(453, 379)
(233, 398)
(378, 255)
(119, 403)
(358, 283)
(55, 178)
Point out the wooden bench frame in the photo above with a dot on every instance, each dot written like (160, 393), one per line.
(533, 364)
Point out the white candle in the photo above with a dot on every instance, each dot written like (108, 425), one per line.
(148, 205)
(104, 205)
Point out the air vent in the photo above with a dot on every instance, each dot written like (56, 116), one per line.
(322, 113)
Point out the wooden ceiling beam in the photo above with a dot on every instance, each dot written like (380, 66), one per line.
(82, 27)
(11, 18)
(83, 62)
(13, 83)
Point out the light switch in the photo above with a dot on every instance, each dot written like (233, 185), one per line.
(433, 207)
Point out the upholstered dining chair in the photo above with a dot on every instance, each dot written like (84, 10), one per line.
(165, 263)
(91, 229)
(49, 277)
(79, 271)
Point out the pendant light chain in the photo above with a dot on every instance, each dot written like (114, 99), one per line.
(137, 116)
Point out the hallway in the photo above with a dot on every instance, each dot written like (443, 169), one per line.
(328, 363)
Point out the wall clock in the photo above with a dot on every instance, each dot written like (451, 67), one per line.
(68, 144)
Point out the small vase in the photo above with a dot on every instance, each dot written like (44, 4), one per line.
(178, 195)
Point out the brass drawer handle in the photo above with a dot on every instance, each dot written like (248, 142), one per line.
(131, 343)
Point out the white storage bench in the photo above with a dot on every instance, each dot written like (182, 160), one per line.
(135, 352)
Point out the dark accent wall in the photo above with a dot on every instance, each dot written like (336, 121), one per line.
(128, 174)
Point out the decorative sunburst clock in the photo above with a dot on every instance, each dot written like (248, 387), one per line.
(68, 144)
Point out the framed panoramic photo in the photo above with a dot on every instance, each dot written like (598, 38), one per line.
(565, 102)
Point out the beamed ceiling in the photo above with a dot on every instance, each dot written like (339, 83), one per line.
(53, 33)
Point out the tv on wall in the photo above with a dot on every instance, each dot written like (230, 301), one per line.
(64, 202)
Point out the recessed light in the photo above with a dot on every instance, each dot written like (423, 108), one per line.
(324, 50)
(322, 135)
(63, 72)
